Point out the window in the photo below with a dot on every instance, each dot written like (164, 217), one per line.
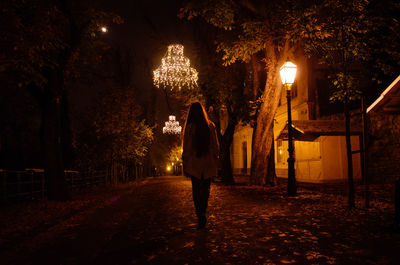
(244, 153)
(279, 153)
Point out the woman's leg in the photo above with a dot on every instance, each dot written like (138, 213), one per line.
(204, 195)
(201, 192)
(203, 201)
(196, 194)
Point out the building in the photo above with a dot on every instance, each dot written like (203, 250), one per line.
(384, 135)
(320, 146)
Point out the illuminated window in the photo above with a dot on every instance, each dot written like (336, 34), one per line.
(244, 152)
(279, 153)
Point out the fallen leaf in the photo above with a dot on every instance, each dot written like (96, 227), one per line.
(151, 257)
(288, 261)
(189, 244)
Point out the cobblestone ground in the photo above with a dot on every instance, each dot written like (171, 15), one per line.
(153, 222)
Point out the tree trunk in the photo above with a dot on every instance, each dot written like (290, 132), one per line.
(66, 133)
(349, 158)
(256, 69)
(263, 162)
(52, 116)
(262, 157)
(52, 140)
(225, 142)
(271, 178)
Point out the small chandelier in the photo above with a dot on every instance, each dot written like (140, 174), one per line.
(175, 70)
(172, 126)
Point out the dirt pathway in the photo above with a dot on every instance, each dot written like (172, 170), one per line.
(154, 223)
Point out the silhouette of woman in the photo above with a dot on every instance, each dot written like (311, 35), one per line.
(200, 157)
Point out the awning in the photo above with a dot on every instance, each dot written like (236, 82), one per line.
(309, 130)
(389, 100)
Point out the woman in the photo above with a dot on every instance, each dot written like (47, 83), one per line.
(200, 157)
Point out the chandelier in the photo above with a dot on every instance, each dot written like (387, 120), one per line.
(172, 126)
(175, 70)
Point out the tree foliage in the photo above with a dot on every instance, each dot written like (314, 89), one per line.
(114, 132)
(250, 23)
(48, 34)
(44, 45)
(334, 33)
(351, 39)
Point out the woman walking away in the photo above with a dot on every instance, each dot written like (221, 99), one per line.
(200, 157)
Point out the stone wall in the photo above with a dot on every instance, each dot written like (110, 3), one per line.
(384, 148)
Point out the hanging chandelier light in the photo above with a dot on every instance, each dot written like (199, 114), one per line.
(172, 126)
(175, 70)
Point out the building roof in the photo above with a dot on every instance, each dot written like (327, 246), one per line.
(389, 100)
(309, 130)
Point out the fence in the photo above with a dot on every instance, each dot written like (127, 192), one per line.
(30, 184)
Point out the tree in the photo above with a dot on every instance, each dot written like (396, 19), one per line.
(175, 159)
(124, 139)
(225, 95)
(46, 43)
(338, 34)
(111, 133)
(224, 91)
(383, 57)
(255, 27)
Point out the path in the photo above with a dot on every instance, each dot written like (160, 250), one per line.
(154, 223)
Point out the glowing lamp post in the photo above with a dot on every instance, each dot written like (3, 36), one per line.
(288, 73)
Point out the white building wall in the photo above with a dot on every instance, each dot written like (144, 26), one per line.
(308, 164)
(335, 158)
(242, 134)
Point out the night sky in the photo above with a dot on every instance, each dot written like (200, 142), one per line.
(148, 28)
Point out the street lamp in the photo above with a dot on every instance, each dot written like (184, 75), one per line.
(288, 73)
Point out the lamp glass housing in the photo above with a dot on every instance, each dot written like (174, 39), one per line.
(288, 73)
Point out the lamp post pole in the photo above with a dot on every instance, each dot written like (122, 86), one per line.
(288, 74)
(292, 187)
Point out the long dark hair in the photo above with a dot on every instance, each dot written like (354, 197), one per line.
(198, 117)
